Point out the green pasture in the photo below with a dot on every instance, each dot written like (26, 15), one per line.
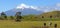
(26, 24)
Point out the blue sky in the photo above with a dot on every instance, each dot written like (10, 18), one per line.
(6, 5)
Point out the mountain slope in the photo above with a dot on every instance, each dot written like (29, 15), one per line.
(25, 11)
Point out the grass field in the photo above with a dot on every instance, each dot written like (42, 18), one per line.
(25, 24)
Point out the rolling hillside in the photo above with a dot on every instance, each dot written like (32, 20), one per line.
(53, 14)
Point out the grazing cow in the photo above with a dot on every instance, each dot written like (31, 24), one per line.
(45, 26)
(55, 26)
(50, 24)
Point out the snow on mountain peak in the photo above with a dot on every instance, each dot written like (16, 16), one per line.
(22, 6)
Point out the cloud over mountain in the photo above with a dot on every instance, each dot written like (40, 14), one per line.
(22, 6)
(43, 8)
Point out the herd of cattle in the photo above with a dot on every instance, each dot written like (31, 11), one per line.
(45, 26)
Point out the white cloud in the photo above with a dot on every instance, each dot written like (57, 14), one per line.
(58, 4)
(49, 9)
(52, 8)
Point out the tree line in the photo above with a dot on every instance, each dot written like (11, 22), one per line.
(17, 15)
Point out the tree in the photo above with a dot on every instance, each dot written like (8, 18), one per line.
(11, 17)
(18, 16)
(3, 15)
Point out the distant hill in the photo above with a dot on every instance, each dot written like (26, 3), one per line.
(48, 16)
(53, 14)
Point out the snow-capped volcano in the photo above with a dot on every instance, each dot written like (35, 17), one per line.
(25, 9)
(29, 9)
